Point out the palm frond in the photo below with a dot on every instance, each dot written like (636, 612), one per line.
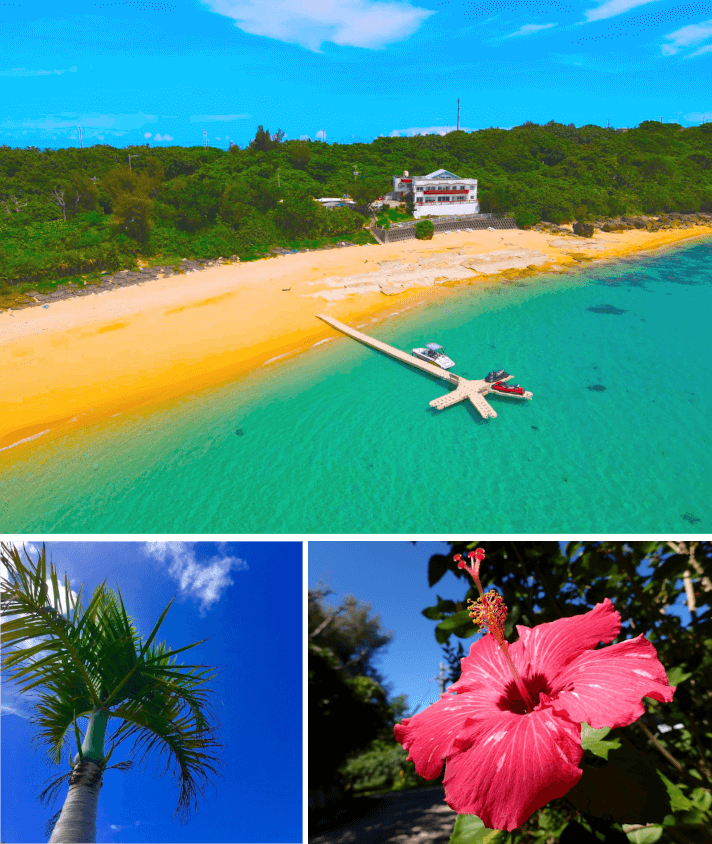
(162, 724)
(95, 658)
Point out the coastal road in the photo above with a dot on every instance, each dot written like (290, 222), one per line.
(418, 816)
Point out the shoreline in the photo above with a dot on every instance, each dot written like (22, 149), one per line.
(85, 359)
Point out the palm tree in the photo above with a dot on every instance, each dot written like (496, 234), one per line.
(92, 663)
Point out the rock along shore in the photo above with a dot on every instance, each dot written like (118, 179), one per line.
(126, 278)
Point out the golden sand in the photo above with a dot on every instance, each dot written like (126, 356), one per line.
(87, 358)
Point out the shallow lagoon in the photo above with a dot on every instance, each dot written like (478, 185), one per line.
(342, 440)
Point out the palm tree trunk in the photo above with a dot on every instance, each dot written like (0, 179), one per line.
(77, 823)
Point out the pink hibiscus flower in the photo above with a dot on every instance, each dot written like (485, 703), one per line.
(509, 730)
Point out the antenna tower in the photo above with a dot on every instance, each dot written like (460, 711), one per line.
(81, 142)
(205, 138)
(458, 114)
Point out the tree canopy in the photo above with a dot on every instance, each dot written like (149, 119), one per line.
(101, 207)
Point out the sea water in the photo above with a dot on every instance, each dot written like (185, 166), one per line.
(341, 439)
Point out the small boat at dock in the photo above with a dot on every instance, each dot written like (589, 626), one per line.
(434, 353)
(496, 375)
(513, 390)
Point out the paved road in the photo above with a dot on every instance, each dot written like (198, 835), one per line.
(419, 816)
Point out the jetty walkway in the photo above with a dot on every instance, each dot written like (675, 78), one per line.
(474, 391)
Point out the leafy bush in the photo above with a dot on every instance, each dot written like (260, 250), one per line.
(92, 218)
(424, 230)
(557, 212)
(526, 219)
(383, 767)
(300, 216)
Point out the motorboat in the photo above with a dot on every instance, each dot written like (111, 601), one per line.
(512, 390)
(433, 353)
(496, 375)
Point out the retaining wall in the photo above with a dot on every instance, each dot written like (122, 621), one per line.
(406, 231)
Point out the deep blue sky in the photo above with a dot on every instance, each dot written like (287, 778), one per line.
(393, 578)
(162, 71)
(248, 598)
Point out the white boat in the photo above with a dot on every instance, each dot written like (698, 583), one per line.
(433, 353)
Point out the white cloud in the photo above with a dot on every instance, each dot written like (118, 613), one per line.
(426, 130)
(23, 71)
(204, 580)
(612, 8)
(700, 52)
(530, 28)
(688, 36)
(320, 135)
(217, 118)
(304, 138)
(166, 137)
(698, 116)
(93, 124)
(147, 135)
(309, 23)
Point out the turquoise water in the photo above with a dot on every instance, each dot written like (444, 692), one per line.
(342, 440)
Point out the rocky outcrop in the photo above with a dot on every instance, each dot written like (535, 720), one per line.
(583, 229)
(673, 220)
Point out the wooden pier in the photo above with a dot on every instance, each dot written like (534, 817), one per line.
(474, 391)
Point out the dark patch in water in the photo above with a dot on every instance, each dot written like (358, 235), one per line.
(566, 480)
(239, 432)
(688, 517)
(606, 309)
(597, 388)
(534, 428)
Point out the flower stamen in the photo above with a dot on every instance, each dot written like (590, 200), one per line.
(489, 611)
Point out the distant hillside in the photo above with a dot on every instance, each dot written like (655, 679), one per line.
(69, 211)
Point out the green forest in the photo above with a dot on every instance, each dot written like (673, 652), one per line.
(68, 212)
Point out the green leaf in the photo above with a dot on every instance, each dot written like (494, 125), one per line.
(678, 801)
(592, 740)
(457, 619)
(76, 733)
(676, 675)
(437, 567)
(648, 835)
(702, 799)
(469, 829)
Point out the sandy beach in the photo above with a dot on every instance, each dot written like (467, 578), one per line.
(88, 358)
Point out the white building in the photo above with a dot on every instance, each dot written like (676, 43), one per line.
(439, 193)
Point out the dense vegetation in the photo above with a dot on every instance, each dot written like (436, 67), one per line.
(70, 211)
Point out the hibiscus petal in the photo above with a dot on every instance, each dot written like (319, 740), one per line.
(484, 668)
(605, 687)
(552, 645)
(478, 694)
(505, 768)
(430, 734)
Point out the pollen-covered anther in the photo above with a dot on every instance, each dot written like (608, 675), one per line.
(488, 611)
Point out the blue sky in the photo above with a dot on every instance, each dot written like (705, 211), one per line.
(138, 71)
(248, 598)
(393, 578)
